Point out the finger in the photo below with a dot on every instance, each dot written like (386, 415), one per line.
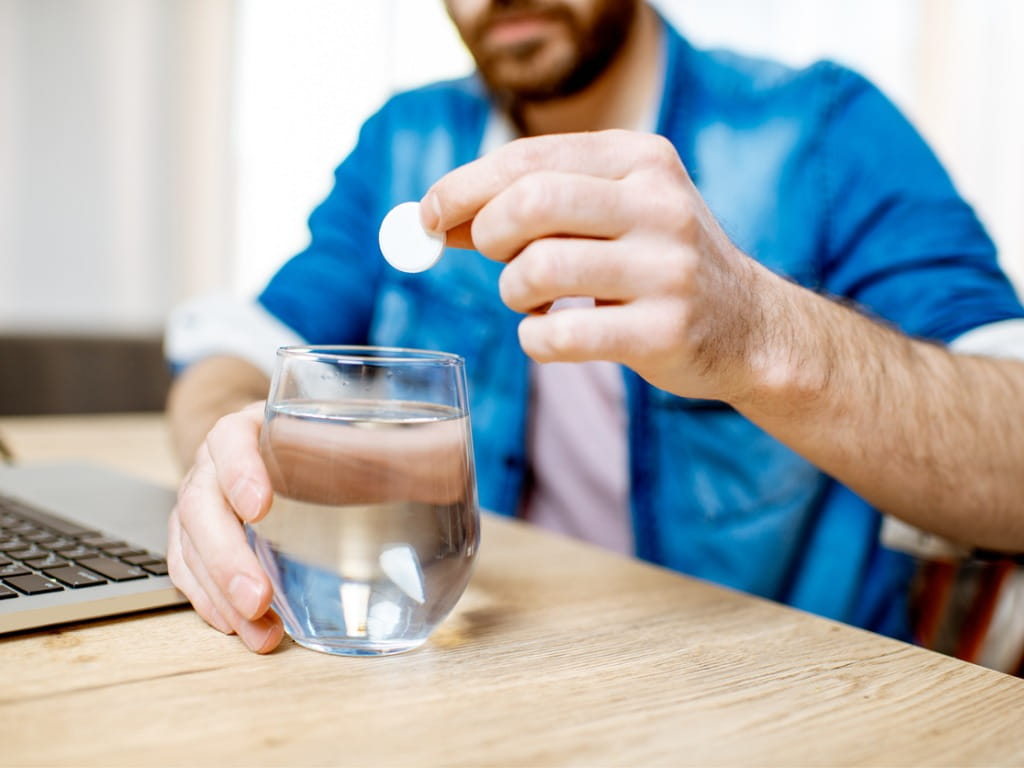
(548, 203)
(457, 196)
(614, 333)
(261, 634)
(214, 546)
(461, 236)
(182, 578)
(273, 635)
(233, 446)
(553, 268)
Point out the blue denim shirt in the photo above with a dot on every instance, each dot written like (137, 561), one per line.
(813, 173)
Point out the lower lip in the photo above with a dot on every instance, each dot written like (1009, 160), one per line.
(517, 31)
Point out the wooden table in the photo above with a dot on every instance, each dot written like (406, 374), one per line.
(558, 654)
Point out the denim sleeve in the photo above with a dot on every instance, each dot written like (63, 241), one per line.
(900, 242)
(326, 293)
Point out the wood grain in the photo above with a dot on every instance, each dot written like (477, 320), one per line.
(559, 654)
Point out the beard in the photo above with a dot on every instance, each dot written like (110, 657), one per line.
(567, 52)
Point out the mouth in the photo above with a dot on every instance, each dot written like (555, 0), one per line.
(518, 29)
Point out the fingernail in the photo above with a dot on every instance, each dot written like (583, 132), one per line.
(246, 595)
(246, 498)
(430, 213)
(257, 635)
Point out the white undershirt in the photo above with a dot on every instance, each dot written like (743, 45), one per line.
(578, 452)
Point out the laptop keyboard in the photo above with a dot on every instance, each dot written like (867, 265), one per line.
(41, 553)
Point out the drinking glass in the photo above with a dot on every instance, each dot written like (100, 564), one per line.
(374, 526)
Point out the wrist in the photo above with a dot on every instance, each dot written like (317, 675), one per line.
(787, 363)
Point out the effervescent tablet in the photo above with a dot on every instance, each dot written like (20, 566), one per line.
(406, 245)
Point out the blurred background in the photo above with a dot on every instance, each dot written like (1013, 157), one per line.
(154, 150)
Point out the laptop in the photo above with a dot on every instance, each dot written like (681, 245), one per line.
(78, 542)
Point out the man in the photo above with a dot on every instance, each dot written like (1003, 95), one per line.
(765, 248)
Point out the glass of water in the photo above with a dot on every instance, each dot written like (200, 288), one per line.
(374, 526)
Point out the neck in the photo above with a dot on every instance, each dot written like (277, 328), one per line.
(619, 98)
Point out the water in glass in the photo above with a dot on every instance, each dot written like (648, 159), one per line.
(372, 533)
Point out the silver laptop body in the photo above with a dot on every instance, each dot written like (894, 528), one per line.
(117, 506)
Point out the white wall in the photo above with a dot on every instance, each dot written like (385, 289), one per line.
(308, 74)
(113, 147)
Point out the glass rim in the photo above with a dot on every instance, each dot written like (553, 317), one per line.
(368, 354)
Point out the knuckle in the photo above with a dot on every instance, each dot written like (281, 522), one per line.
(687, 223)
(542, 266)
(190, 505)
(662, 152)
(674, 216)
(678, 272)
(532, 198)
(562, 336)
(668, 207)
(518, 158)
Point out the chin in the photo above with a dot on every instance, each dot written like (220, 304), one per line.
(539, 77)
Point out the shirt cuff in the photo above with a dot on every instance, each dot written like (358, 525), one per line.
(223, 325)
(1002, 339)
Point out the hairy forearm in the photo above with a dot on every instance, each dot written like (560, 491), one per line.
(929, 436)
(204, 392)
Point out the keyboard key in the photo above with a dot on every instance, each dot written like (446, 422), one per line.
(54, 523)
(58, 542)
(39, 537)
(9, 544)
(6, 593)
(100, 541)
(75, 577)
(30, 553)
(77, 551)
(4, 560)
(157, 569)
(145, 559)
(31, 584)
(22, 528)
(50, 561)
(123, 551)
(13, 569)
(112, 569)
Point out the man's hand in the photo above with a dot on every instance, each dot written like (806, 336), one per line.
(919, 432)
(612, 215)
(208, 556)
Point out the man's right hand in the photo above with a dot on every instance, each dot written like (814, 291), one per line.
(208, 556)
